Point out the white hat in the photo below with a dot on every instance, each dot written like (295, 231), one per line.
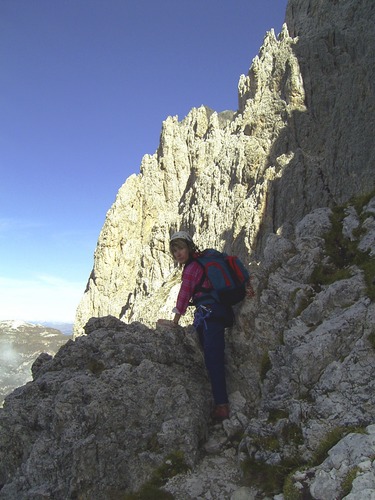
(181, 235)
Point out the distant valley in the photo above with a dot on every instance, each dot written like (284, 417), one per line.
(65, 328)
(20, 344)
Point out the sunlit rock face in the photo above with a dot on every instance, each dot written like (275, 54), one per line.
(272, 182)
(302, 138)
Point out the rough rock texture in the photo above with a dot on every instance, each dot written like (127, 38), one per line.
(103, 414)
(124, 402)
(119, 403)
(318, 376)
(352, 456)
(302, 138)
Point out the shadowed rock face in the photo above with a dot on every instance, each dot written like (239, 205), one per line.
(263, 182)
(104, 413)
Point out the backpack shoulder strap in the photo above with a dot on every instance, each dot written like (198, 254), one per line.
(200, 287)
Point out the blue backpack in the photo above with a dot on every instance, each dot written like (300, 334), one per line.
(227, 275)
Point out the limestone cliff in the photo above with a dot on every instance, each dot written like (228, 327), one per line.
(301, 138)
(123, 410)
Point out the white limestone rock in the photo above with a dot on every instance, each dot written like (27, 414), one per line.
(260, 182)
(354, 450)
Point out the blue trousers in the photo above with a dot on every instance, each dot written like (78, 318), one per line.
(211, 336)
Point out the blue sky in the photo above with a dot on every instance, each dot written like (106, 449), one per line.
(84, 88)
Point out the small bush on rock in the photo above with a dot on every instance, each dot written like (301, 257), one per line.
(348, 481)
(343, 253)
(269, 478)
(152, 490)
(332, 438)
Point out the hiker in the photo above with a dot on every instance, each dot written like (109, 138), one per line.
(210, 318)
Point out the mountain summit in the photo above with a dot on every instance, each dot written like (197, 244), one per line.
(286, 182)
(301, 139)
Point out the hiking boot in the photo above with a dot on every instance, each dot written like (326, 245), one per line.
(220, 412)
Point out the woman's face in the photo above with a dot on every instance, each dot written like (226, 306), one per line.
(181, 253)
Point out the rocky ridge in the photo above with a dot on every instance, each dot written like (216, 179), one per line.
(301, 139)
(125, 408)
(209, 175)
(123, 411)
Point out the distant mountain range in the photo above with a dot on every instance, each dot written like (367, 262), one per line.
(65, 328)
(20, 344)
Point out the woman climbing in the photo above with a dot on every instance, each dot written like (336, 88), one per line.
(210, 318)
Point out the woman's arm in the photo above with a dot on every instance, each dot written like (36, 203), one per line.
(190, 277)
(176, 318)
